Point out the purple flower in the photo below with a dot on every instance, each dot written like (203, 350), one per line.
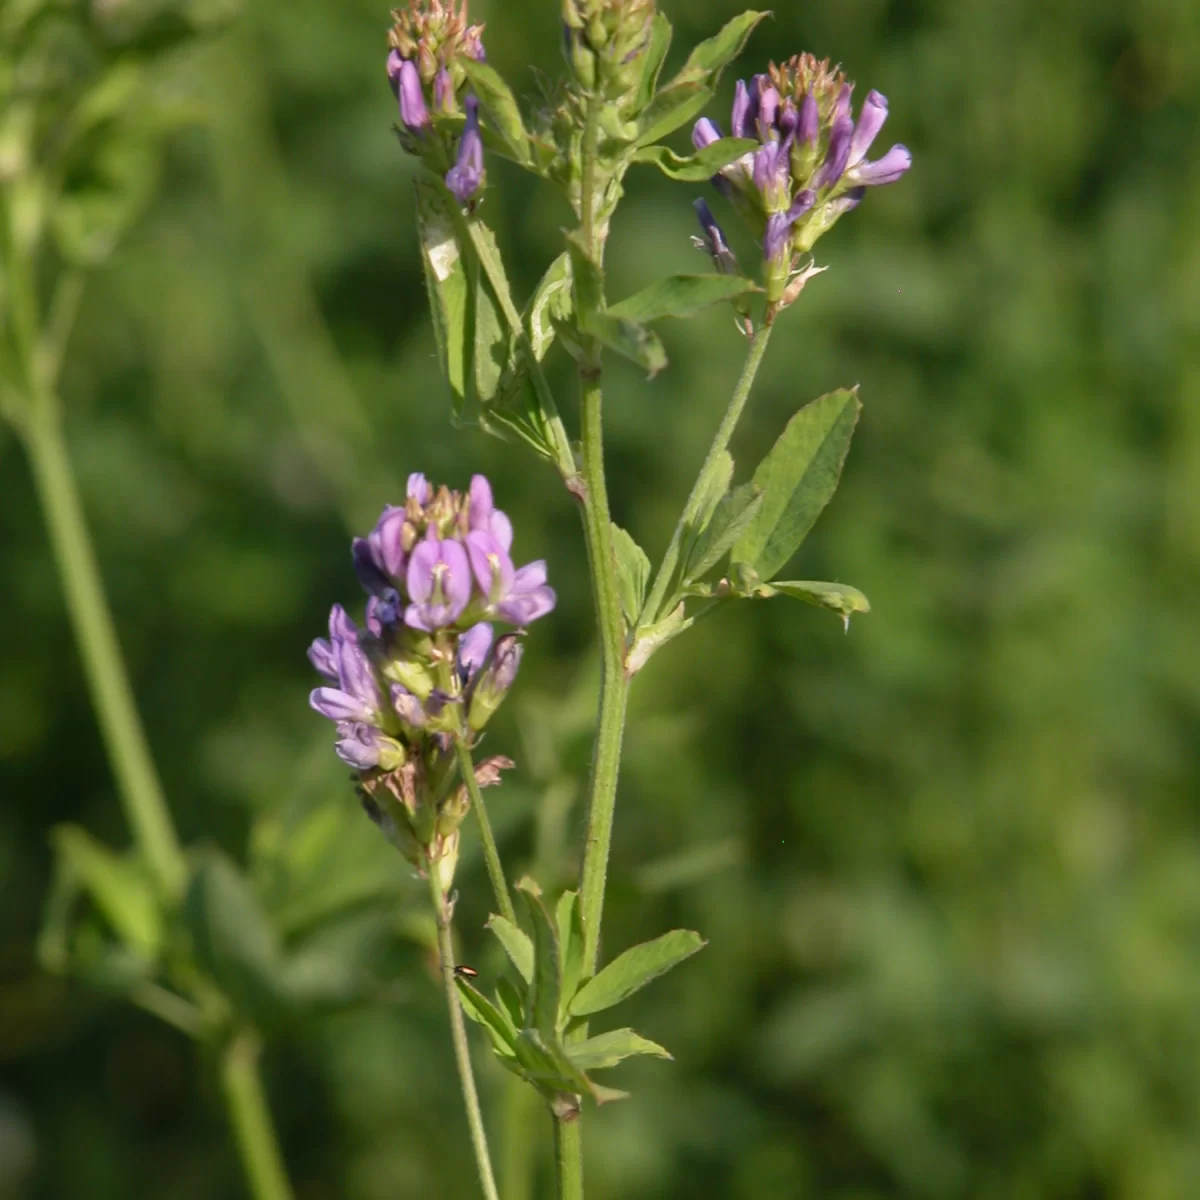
(379, 558)
(777, 238)
(838, 153)
(473, 649)
(408, 707)
(443, 92)
(517, 597)
(883, 170)
(743, 111)
(439, 584)
(810, 120)
(493, 684)
(419, 489)
(704, 133)
(406, 81)
(714, 241)
(870, 122)
(357, 696)
(466, 176)
(485, 516)
(358, 745)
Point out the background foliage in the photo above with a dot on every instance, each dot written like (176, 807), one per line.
(949, 866)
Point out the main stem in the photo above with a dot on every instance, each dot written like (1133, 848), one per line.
(491, 855)
(568, 1159)
(246, 1103)
(112, 697)
(758, 348)
(458, 1033)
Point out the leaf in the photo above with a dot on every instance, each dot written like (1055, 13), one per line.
(332, 967)
(702, 165)
(681, 296)
(654, 57)
(711, 57)
(116, 885)
(516, 944)
(448, 286)
(497, 98)
(546, 984)
(633, 574)
(676, 105)
(837, 597)
(587, 276)
(798, 478)
(733, 515)
(654, 637)
(631, 971)
(628, 339)
(494, 355)
(570, 944)
(508, 999)
(607, 1049)
(550, 303)
(482, 1011)
(232, 938)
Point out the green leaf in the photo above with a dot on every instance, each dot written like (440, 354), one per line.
(497, 98)
(633, 573)
(655, 56)
(798, 478)
(500, 1031)
(509, 1000)
(117, 886)
(493, 356)
(628, 339)
(546, 984)
(587, 276)
(733, 515)
(702, 165)
(568, 922)
(448, 286)
(651, 638)
(676, 105)
(232, 938)
(607, 1049)
(332, 966)
(681, 296)
(516, 944)
(551, 303)
(711, 57)
(837, 597)
(631, 971)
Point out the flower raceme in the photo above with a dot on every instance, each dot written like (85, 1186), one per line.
(429, 42)
(426, 667)
(811, 165)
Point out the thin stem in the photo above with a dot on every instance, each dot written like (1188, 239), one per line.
(112, 697)
(568, 1159)
(564, 456)
(491, 855)
(246, 1103)
(458, 1033)
(758, 348)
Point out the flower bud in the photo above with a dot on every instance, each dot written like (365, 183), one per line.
(493, 683)
(604, 42)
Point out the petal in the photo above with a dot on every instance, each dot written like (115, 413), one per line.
(704, 133)
(482, 505)
(531, 575)
(341, 627)
(413, 113)
(424, 558)
(883, 170)
(502, 529)
(387, 542)
(365, 565)
(743, 111)
(810, 120)
(522, 608)
(473, 648)
(870, 122)
(418, 488)
(837, 155)
(338, 706)
(457, 582)
(320, 654)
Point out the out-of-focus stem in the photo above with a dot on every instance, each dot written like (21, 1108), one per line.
(250, 1116)
(491, 854)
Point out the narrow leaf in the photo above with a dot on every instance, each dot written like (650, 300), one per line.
(654, 637)
(798, 478)
(633, 574)
(837, 597)
(733, 516)
(516, 944)
(482, 1011)
(547, 971)
(497, 98)
(631, 971)
(551, 302)
(570, 944)
(654, 57)
(681, 296)
(711, 57)
(607, 1049)
(508, 999)
(702, 165)
(675, 105)
(448, 287)
(628, 339)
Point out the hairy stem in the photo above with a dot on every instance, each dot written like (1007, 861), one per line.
(491, 855)
(651, 610)
(246, 1103)
(458, 1033)
(568, 1159)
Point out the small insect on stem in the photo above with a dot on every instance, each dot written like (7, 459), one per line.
(462, 971)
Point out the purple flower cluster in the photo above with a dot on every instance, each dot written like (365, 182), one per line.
(811, 165)
(429, 42)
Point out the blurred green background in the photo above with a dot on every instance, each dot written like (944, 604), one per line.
(949, 865)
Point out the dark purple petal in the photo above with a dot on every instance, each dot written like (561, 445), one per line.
(366, 566)
(841, 106)
(473, 648)
(837, 155)
(320, 654)
(789, 118)
(465, 177)
(743, 111)
(777, 236)
(883, 170)
(870, 122)
(338, 706)
(491, 564)
(387, 542)
(418, 488)
(810, 121)
(414, 116)
(384, 610)
(714, 240)
(704, 133)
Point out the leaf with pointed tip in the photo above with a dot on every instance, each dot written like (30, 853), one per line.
(652, 638)
(633, 573)
(798, 478)
(632, 970)
(508, 999)
(551, 303)
(516, 944)
(702, 165)
(837, 597)
(568, 922)
(497, 98)
(448, 285)
(733, 515)
(628, 339)
(501, 1033)
(607, 1049)
(676, 105)
(711, 57)
(546, 984)
(654, 57)
(681, 296)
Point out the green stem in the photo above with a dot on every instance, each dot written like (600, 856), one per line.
(564, 456)
(568, 1159)
(458, 1033)
(250, 1117)
(112, 697)
(491, 855)
(758, 348)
